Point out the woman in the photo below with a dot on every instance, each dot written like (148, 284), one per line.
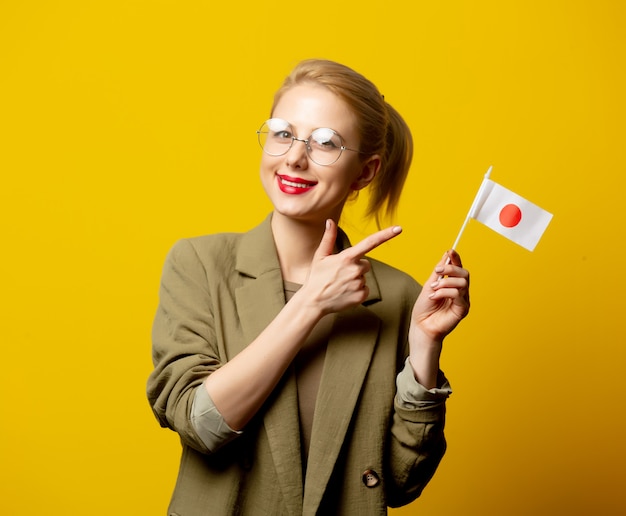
(301, 377)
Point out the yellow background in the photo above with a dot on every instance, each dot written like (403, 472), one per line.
(126, 125)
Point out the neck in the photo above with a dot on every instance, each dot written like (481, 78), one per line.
(296, 242)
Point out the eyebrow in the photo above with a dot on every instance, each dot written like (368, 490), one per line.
(315, 129)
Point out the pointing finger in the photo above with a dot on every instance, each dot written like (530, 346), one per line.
(372, 242)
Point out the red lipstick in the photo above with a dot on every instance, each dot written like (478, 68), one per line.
(294, 185)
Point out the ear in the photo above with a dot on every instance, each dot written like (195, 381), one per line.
(369, 169)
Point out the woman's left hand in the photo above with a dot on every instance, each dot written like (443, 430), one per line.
(444, 300)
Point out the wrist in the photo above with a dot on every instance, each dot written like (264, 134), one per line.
(424, 342)
(424, 355)
(305, 309)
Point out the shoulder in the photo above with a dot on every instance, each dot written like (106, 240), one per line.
(206, 251)
(394, 283)
(392, 274)
(225, 248)
(215, 245)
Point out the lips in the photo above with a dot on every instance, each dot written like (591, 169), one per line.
(294, 185)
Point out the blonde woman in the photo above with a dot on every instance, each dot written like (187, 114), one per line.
(301, 376)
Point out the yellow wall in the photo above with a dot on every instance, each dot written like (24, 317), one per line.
(127, 124)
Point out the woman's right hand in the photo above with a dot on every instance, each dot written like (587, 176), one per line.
(337, 281)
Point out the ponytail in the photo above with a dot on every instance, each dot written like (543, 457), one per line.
(387, 186)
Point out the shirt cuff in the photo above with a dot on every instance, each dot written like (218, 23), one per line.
(208, 423)
(413, 395)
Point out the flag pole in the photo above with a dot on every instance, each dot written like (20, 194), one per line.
(471, 210)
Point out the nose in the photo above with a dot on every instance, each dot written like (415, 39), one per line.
(297, 154)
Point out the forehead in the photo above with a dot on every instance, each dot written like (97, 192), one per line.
(307, 107)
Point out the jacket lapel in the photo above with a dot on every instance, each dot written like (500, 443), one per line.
(259, 300)
(348, 356)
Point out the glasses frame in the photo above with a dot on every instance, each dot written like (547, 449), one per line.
(306, 141)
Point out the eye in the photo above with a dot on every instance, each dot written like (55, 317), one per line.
(326, 139)
(282, 135)
(279, 129)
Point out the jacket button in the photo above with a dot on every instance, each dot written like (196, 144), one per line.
(370, 478)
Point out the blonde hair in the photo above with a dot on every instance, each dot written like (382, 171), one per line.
(381, 128)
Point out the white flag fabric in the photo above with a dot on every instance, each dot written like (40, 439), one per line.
(509, 214)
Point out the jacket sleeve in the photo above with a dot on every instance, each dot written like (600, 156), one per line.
(184, 350)
(417, 442)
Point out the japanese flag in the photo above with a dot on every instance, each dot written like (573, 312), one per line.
(509, 214)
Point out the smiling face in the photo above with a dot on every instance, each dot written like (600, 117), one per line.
(300, 188)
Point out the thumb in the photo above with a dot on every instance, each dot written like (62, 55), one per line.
(327, 244)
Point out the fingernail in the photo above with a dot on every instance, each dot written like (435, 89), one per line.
(397, 229)
(434, 284)
(327, 223)
(439, 269)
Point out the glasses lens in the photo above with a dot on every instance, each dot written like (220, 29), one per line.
(325, 146)
(275, 136)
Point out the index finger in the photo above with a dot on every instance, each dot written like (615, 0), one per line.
(371, 242)
(454, 258)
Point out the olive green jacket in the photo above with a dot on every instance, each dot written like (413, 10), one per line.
(217, 294)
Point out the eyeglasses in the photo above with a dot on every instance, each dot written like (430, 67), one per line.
(324, 146)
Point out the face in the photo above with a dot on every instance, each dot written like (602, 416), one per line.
(298, 187)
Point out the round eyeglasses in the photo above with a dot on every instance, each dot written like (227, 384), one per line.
(324, 146)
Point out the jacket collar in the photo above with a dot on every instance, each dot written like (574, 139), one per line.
(348, 356)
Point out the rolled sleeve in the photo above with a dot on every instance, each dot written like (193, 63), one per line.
(208, 423)
(412, 395)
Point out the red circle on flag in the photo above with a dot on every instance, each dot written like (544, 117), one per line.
(510, 216)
